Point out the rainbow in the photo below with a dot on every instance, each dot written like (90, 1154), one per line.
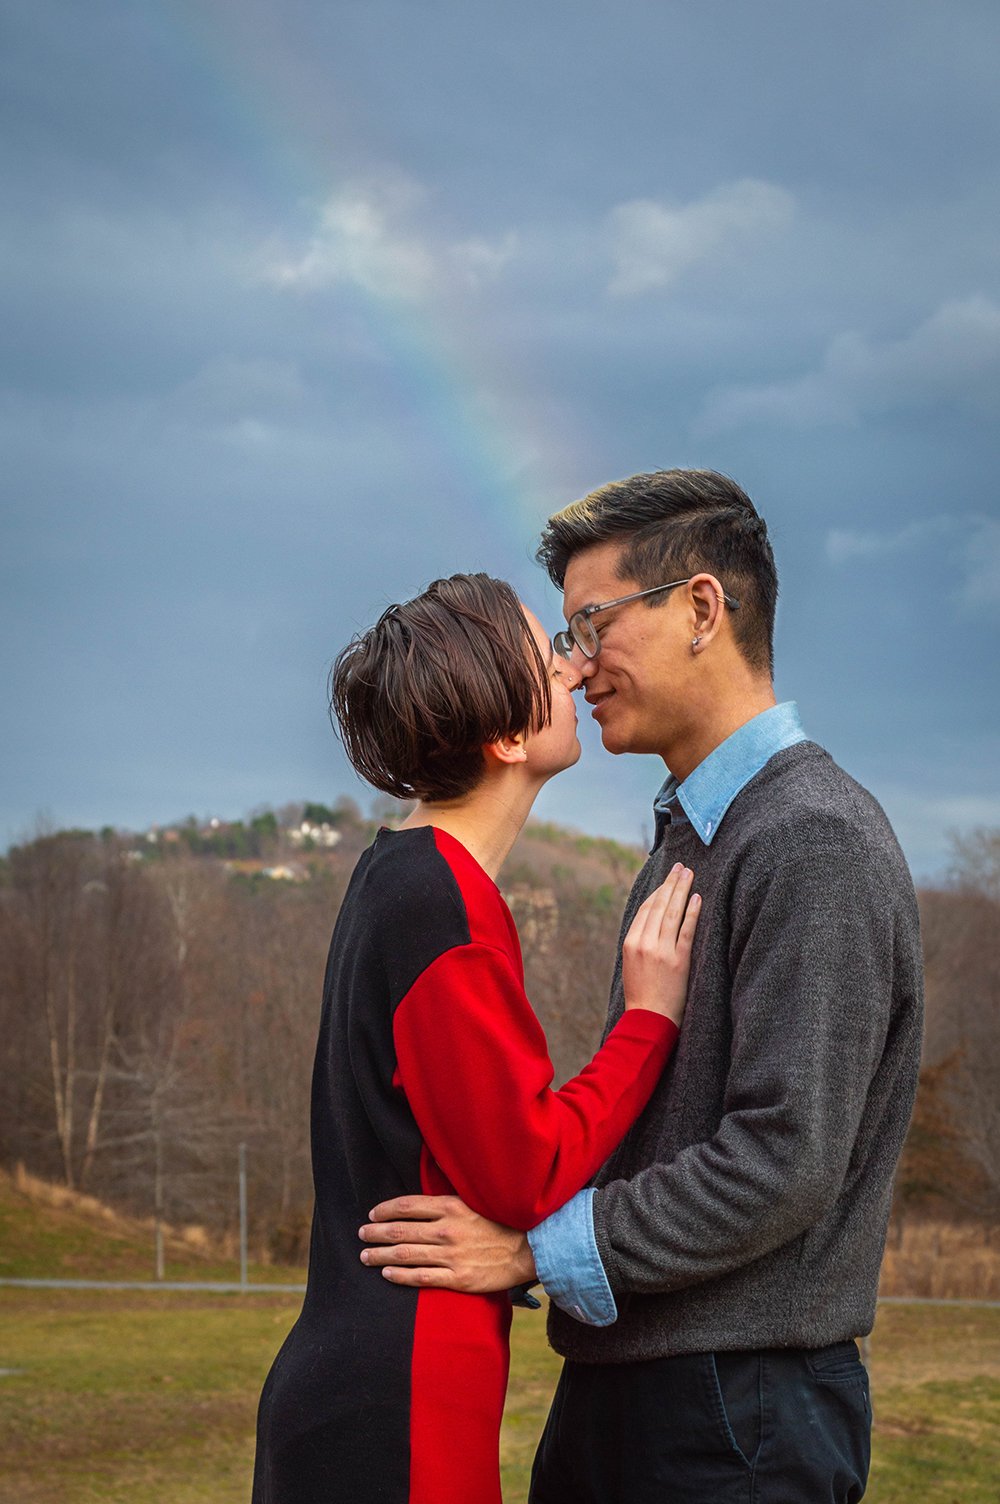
(294, 125)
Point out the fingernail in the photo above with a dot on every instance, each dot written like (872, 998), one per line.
(387, 1274)
(361, 1234)
(677, 867)
(371, 1215)
(365, 1256)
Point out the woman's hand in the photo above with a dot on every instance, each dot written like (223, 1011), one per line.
(656, 955)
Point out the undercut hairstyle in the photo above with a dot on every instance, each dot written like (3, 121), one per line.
(674, 524)
(417, 697)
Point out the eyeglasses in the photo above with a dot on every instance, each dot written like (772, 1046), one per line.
(582, 634)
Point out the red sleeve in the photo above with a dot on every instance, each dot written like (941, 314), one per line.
(475, 1068)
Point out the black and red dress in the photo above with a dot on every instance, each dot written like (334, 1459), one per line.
(431, 1073)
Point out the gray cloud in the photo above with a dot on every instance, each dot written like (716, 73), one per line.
(844, 545)
(653, 243)
(982, 557)
(967, 547)
(370, 235)
(230, 389)
(925, 821)
(953, 356)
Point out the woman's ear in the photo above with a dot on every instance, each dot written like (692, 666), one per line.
(507, 750)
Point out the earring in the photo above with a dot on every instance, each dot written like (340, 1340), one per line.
(694, 643)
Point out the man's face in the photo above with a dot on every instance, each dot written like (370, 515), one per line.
(636, 684)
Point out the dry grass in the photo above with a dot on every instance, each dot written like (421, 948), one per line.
(190, 1238)
(942, 1259)
(48, 1232)
(939, 1257)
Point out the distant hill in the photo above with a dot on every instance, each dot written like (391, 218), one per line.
(307, 839)
(159, 993)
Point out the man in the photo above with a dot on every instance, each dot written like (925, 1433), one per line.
(707, 1291)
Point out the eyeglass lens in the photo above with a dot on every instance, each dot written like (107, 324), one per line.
(585, 635)
(581, 634)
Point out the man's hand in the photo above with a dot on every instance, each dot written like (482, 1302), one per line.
(436, 1242)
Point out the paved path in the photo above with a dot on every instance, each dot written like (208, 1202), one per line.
(236, 1288)
(220, 1286)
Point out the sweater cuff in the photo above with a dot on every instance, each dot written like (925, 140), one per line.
(643, 1023)
(568, 1264)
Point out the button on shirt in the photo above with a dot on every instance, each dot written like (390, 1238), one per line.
(565, 1250)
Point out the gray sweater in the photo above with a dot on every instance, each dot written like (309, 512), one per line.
(747, 1207)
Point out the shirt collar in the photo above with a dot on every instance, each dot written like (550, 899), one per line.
(710, 789)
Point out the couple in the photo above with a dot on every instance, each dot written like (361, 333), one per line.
(707, 1286)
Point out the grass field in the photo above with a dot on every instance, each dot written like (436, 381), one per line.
(131, 1398)
(128, 1397)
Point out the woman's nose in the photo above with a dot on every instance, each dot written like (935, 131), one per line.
(572, 676)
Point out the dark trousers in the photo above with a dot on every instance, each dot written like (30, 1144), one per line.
(782, 1426)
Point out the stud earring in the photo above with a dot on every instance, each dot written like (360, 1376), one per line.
(694, 642)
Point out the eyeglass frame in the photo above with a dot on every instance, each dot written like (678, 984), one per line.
(565, 641)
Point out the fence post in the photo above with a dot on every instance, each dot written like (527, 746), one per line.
(243, 1216)
(158, 1195)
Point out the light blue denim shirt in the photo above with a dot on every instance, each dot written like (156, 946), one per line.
(566, 1258)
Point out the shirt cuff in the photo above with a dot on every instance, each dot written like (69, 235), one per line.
(568, 1264)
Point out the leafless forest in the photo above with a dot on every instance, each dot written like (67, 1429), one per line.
(159, 996)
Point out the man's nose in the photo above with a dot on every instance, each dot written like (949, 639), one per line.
(584, 668)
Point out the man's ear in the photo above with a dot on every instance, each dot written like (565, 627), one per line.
(707, 608)
(507, 750)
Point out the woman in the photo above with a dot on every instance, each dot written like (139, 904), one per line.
(431, 1071)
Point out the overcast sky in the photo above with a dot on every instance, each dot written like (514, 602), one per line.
(306, 302)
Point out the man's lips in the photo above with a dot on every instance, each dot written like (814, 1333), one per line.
(598, 700)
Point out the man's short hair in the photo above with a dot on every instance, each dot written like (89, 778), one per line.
(675, 523)
(418, 696)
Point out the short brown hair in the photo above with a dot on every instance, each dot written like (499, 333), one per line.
(418, 696)
(677, 523)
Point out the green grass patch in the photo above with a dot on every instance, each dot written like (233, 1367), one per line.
(935, 1374)
(133, 1398)
(534, 1370)
(127, 1398)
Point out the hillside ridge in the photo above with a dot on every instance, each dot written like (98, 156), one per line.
(48, 1231)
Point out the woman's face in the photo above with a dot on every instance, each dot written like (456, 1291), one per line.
(554, 746)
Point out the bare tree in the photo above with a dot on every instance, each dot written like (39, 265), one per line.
(47, 933)
(961, 929)
(975, 863)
